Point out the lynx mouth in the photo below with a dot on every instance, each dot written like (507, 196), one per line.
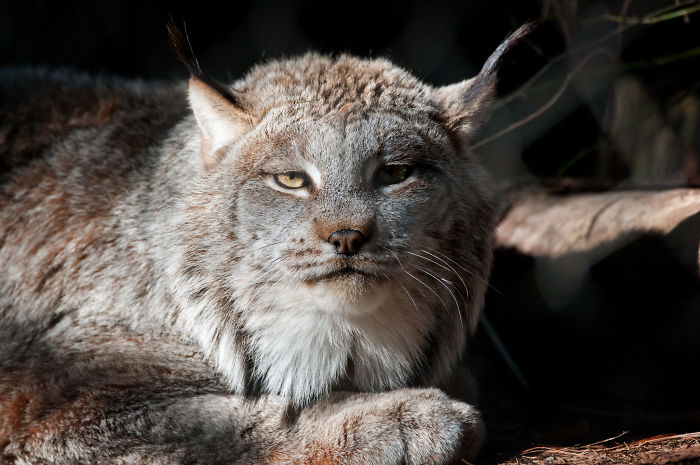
(344, 273)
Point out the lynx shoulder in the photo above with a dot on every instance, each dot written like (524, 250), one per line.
(184, 264)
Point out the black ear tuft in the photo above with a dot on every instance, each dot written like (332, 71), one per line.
(485, 81)
(183, 48)
(180, 42)
(465, 103)
(491, 65)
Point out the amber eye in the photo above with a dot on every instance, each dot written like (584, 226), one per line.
(292, 179)
(393, 174)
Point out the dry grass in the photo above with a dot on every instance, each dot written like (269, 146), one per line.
(662, 449)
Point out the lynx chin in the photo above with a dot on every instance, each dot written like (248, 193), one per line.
(282, 270)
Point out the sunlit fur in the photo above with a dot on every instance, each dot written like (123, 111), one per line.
(161, 302)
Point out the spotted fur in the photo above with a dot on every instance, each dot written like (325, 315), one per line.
(163, 301)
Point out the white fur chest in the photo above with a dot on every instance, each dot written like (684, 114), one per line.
(305, 341)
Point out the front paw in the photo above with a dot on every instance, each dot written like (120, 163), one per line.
(407, 426)
(437, 429)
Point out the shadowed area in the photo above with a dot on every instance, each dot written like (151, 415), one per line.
(606, 335)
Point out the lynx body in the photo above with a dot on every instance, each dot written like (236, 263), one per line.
(276, 271)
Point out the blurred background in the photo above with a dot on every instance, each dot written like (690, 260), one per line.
(603, 95)
(612, 66)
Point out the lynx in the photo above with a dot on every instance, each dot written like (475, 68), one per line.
(280, 270)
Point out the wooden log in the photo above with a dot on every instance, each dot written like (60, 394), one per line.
(546, 225)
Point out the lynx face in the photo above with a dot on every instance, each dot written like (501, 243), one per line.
(366, 195)
(333, 230)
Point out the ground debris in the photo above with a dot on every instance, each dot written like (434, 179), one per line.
(657, 450)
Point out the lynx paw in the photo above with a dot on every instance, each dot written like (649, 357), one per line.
(408, 426)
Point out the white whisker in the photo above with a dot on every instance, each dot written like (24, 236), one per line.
(441, 281)
(458, 265)
(431, 261)
(287, 286)
(264, 286)
(266, 269)
(265, 246)
(417, 279)
(282, 291)
(410, 297)
(466, 288)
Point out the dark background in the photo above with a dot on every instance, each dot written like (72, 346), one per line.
(581, 135)
(440, 42)
(614, 109)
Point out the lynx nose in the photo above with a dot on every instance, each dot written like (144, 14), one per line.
(347, 241)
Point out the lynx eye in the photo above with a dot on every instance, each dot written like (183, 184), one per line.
(393, 174)
(292, 179)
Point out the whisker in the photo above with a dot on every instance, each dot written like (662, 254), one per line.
(288, 285)
(397, 258)
(265, 246)
(425, 285)
(471, 273)
(432, 261)
(269, 268)
(447, 258)
(409, 296)
(440, 280)
(466, 288)
(448, 268)
(264, 286)
(282, 291)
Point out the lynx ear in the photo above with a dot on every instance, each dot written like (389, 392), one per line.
(221, 120)
(465, 103)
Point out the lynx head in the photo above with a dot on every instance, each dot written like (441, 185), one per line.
(331, 228)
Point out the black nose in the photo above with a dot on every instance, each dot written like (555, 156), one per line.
(347, 241)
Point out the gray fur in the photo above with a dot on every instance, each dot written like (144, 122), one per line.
(162, 302)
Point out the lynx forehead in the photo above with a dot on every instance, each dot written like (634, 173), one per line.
(328, 85)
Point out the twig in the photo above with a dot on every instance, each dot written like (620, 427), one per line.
(655, 16)
(544, 107)
(644, 20)
(664, 60)
(501, 348)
